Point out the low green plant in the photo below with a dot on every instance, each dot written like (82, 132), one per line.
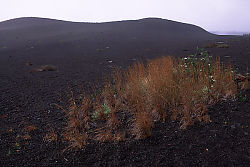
(200, 57)
(105, 109)
(99, 50)
(17, 145)
(9, 152)
(95, 115)
(242, 98)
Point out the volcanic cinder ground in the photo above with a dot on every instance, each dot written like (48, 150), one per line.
(83, 53)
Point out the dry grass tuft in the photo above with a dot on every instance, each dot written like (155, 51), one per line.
(52, 136)
(143, 125)
(163, 89)
(104, 135)
(30, 128)
(222, 46)
(78, 122)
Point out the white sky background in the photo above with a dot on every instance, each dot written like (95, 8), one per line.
(212, 15)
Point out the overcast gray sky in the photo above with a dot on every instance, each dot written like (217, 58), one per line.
(213, 15)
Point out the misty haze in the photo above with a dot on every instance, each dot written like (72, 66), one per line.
(129, 83)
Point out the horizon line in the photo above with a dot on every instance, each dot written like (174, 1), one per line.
(217, 32)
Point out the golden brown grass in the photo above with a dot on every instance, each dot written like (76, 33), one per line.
(78, 122)
(163, 89)
(51, 136)
(30, 128)
(167, 87)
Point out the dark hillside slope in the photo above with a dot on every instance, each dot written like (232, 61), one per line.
(88, 45)
(23, 31)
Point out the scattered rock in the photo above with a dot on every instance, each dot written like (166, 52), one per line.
(28, 63)
(45, 68)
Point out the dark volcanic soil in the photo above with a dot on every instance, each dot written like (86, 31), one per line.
(84, 52)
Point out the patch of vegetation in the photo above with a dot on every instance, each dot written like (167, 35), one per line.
(45, 68)
(99, 50)
(51, 136)
(105, 110)
(217, 45)
(242, 97)
(162, 89)
(222, 46)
